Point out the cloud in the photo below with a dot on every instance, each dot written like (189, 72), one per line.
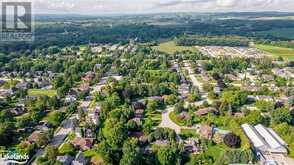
(145, 6)
(226, 3)
(177, 2)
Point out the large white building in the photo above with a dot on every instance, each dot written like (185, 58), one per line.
(268, 145)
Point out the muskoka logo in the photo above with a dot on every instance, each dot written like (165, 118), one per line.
(13, 157)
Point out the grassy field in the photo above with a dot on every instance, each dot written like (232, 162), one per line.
(171, 47)
(155, 118)
(37, 92)
(176, 120)
(188, 133)
(83, 48)
(286, 53)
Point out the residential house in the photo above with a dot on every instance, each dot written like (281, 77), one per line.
(206, 77)
(83, 143)
(73, 92)
(136, 134)
(65, 160)
(78, 132)
(155, 98)
(161, 142)
(184, 115)
(264, 98)
(88, 98)
(18, 110)
(267, 78)
(217, 90)
(232, 77)
(138, 121)
(6, 92)
(239, 115)
(205, 131)
(205, 111)
(89, 133)
(284, 73)
(97, 66)
(85, 105)
(89, 76)
(139, 113)
(93, 116)
(2, 82)
(138, 105)
(43, 125)
(22, 85)
(192, 146)
(250, 88)
(113, 47)
(69, 99)
(51, 75)
(41, 82)
(80, 159)
(34, 137)
(84, 87)
(184, 90)
(96, 49)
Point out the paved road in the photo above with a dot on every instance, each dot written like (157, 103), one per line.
(166, 122)
(193, 78)
(66, 127)
(196, 83)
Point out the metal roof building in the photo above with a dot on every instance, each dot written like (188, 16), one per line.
(265, 140)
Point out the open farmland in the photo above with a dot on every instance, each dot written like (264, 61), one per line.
(171, 47)
(286, 53)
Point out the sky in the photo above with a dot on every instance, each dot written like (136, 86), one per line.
(156, 6)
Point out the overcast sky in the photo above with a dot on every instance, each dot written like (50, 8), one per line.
(151, 6)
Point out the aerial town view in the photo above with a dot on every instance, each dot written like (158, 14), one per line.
(149, 82)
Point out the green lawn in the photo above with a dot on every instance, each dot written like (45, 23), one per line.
(155, 117)
(215, 151)
(286, 53)
(38, 92)
(83, 47)
(171, 47)
(176, 120)
(188, 133)
(67, 148)
(95, 156)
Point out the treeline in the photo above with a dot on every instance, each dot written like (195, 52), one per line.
(212, 41)
(119, 30)
(286, 44)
